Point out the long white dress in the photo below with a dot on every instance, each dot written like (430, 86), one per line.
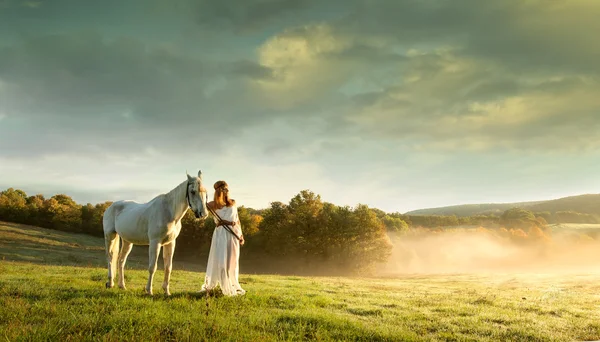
(224, 256)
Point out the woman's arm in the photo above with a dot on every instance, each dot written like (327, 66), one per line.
(229, 223)
(234, 224)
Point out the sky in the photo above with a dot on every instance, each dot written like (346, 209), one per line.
(397, 104)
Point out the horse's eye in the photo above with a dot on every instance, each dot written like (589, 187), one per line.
(193, 192)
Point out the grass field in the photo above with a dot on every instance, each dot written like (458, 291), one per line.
(52, 288)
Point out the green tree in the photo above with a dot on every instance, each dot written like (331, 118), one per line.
(517, 218)
(574, 217)
(96, 225)
(249, 222)
(395, 224)
(35, 211)
(368, 242)
(273, 230)
(13, 205)
(546, 215)
(64, 213)
(317, 235)
(195, 236)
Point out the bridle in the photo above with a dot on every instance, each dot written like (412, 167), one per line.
(187, 195)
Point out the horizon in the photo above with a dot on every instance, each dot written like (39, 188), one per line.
(48, 195)
(399, 105)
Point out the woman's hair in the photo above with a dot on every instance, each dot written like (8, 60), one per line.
(221, 197)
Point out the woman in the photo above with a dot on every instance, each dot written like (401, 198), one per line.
(223, 259)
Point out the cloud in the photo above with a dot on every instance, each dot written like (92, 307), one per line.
(444, 108)
(471, 76)
(64, 74)
(431, 72)
(536, 34)
(246, 16)
(71, 91)
(377, 93)
(311, 65)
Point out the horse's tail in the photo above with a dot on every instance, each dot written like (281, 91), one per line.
(108, 220)
(111, 239)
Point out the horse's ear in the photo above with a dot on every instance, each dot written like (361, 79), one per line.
(188, 176)
(200, 174)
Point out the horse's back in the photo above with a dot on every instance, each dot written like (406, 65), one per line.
(131, 221)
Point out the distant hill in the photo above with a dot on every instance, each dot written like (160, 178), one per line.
(587, 204)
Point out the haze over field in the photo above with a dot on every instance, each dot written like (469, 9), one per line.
(396, 104)
(566, 248)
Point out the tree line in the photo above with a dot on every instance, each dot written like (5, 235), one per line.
(304, 234)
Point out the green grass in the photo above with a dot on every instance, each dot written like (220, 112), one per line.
(42, 298)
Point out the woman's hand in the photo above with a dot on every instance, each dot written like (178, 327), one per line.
(242, 241)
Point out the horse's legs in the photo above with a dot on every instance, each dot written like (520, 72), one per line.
(153, 252)
(125, 250)
(168, 251)
(111, 240)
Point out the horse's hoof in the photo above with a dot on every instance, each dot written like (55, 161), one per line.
(122, 287)
(108, 285)
(166, 289)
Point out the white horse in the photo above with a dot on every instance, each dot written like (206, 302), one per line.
(156, 224)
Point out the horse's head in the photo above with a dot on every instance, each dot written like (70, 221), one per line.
(197, 195)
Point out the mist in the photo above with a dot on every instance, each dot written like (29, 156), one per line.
(493, 250)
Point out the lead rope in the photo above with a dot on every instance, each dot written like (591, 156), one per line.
(223, 224)
(187, 195)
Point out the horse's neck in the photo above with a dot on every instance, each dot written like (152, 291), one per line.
(177, 201)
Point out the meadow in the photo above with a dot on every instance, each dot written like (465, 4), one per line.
(52, 288)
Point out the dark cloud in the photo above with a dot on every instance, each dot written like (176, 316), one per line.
(384, 68)
(248, 15)
(519, 34)
(458, 75)
(250, 69)
(486, 115)
(494, 89)
(71, 91)
(82, 73)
